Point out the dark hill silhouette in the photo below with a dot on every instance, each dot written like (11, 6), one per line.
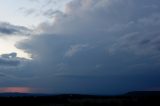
(137, 98)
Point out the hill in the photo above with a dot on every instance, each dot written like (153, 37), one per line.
(137, 98)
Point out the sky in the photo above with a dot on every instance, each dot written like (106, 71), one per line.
(79, 46)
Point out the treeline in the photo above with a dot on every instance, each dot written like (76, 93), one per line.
(81, 100)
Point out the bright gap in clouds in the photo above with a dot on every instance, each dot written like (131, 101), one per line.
(7, 45)
(29, 13)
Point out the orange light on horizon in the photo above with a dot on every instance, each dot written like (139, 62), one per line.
(16, 89)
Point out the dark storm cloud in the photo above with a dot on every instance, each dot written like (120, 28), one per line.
(97, 46)
(2, 75)
(11, 55)
(9, 60)
(9, 29)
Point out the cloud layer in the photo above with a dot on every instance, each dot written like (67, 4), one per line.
(9, 29)
(10, 60)
(96, 46)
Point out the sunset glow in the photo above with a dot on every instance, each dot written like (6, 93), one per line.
(16, 89)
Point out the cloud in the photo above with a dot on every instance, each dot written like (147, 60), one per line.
(2, 75)
(46, 9)
(114, 43)
(51, 13)
(11, 55)
(141, 41)
(34, 0)
(29, 11)
(9, 29)
(74, 49)
(9, 60)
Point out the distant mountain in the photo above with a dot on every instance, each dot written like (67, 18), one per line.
(143, 93)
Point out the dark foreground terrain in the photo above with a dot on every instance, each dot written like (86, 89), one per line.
(129, 99)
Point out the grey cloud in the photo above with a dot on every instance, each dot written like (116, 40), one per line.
(9, 29)
(105, 26)
(74, 49)
(29, 11)
(51, 13)
(2, 75)
(115, 31)
(11, 55)
(46, 9)
(9, 60)
(119, 28)
(34, 0)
